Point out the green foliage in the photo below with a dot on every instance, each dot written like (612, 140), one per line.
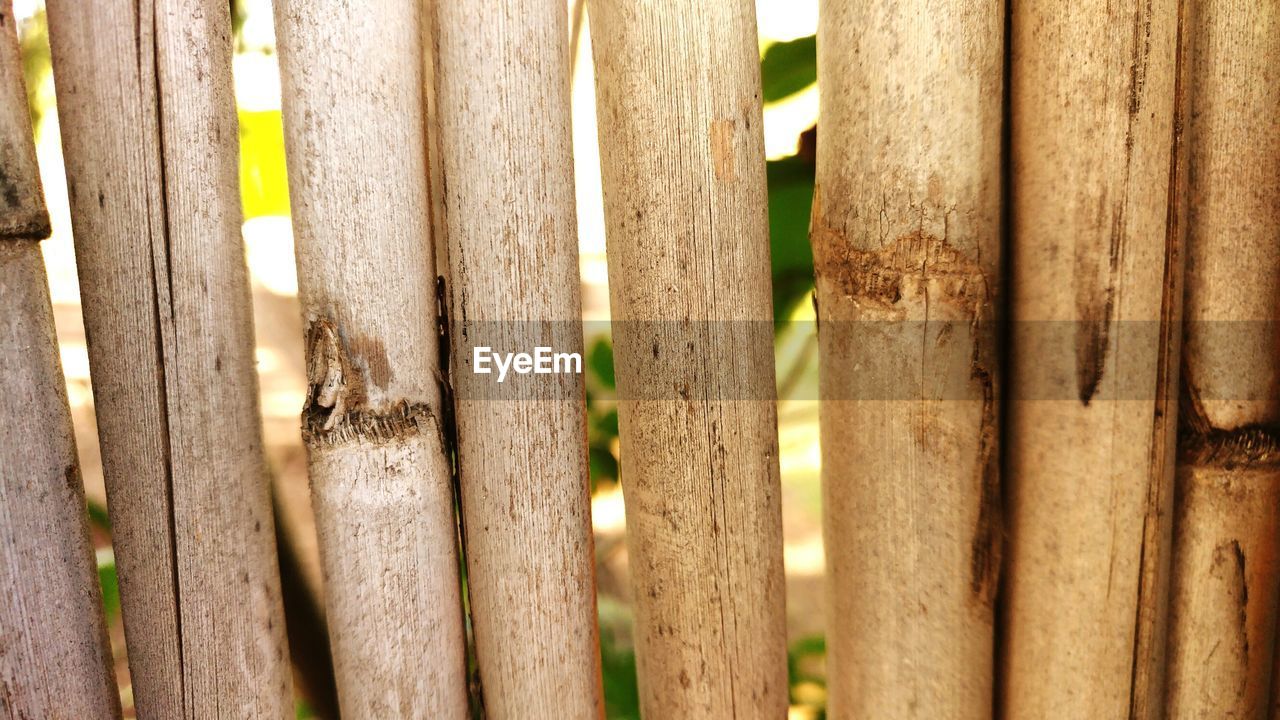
(98, 515)
(618, 670)
(790, 200)
(789, 67)
(264, 188)
(110, 585)
(602, 415)
(808, 683)
(37, 71)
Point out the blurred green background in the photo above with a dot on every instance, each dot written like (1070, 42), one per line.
(789, 76)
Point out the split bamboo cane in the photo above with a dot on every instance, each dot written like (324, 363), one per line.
(504, 214)
(55, 661)
(678, 88)
(1227, 523)
(1095, 295)
(906, 240)
(380, 474)
(149, 135)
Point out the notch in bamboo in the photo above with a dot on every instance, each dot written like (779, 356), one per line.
(55, 660)
(906, 240)
(504, 216)
(381, 475)
(149, 136)
(1097, 252)
(678, 91)
(1227, 520)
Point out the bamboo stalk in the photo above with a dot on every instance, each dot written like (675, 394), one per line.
(1095, 296)
(906, 240)
(505, 213)
(55, 660)
(1227, 524)
(678, 90)
(380, 474)
(149, 136)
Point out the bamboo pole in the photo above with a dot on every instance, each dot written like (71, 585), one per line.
(55, 660)
(678, 89)
(505, 213)
(1227, 524)
(906, 239)
(1095, 295)
(149, 136)
(380, 474)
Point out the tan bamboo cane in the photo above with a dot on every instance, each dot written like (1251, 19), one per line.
(906, 240)
(678, 88)
(381, 478)
(55, 661)
(1095, 294)
(149, 136)
(1227, 523)
(505, 217)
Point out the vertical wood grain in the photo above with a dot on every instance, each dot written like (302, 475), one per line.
(55, 661)
(906, 240)
(1095, 295)
(150, 139)
(381, 479)
(505, 218)
(682, 148)
(1227, 524)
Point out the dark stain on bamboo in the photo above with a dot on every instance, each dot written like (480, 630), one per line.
(335, 411)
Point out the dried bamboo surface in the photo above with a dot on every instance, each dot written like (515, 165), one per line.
(678, 90)
(381, 478)
(149, 135)
(906, 240)
(1095, 288)
(55, 661)
(1227, 524)
(504, 216)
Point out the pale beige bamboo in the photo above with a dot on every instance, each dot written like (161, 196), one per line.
(381, 480)
(1095, 298)
(1227, 524)
(149, 135)
(55, 661)
(678, 88)
(505, 219)
(906, 240)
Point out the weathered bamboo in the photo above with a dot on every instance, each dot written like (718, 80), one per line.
(55, 661)
(381, 478)
(505, 217)
(678, 88)
(906, 241)
(1095, 294)
(1227, 524)
(149, 135)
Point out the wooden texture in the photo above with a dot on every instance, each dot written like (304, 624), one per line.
(22, 211)
(906, 241)
(505, 217)
(1227, 524)
(55, 661)
(678, 91)
(381, 478)
(1095, 298)
(149, 135)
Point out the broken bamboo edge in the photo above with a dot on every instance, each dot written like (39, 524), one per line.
(381, 476)
(1227, 519)
(55, 659)
(504, 217)
(685, 198)
(149, 136)
(906, 241)
(1097, 185)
